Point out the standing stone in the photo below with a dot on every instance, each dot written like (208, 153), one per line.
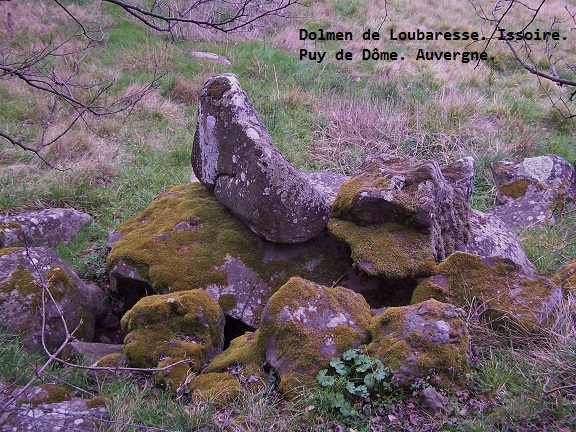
(234, 157)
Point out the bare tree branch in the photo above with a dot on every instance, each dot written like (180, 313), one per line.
(82, 100)
(564, 75)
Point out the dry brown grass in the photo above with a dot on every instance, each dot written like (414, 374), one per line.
(447, 127)
(155, 104)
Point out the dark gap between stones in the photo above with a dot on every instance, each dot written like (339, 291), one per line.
(234, 328)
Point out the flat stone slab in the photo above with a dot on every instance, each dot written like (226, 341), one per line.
(48, 227)
(75, 414)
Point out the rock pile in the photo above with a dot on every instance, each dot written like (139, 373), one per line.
(400, 224)
(258, 263)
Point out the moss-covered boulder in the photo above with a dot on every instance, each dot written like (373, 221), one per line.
(187, 240)
(399, 216)
(182, 325)
(428, 339)
(23, 275)
(501, 289)
(566, 278)
(305, 324)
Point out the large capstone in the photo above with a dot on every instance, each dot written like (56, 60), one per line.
(234, 157)
(185, 239)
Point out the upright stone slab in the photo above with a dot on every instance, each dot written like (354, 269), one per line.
(234, 157)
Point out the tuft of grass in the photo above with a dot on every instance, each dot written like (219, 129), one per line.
(551, 247)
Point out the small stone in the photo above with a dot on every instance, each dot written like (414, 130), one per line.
(48, 227)
(433, 402)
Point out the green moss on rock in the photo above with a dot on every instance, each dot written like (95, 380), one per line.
(305, 324)
(187, 324)
(221, 388)
(174, 376)
(502, 289)
(51, 394)
(516, 189)
(388, 250)
(26, 273)
(9, 250)
(243, 351)
(97, 402)
(113, 360)
(227, 301)
(425, 339)
(182, 230)
(348, 193)
(187, 240)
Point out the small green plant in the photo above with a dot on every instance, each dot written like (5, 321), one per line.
(356, 383)
(420, 384)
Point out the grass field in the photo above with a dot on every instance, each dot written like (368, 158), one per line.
(322, 116)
